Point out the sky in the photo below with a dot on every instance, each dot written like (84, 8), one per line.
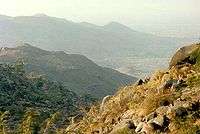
(163, 17)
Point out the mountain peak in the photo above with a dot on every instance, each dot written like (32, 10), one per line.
(40, 15)
(118, 27)
(87, 24)
(115, 24)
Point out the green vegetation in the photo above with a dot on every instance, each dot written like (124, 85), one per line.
(76, 72)
(196, 55)
(32, 103)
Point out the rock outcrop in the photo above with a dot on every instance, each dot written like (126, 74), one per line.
(183, 55)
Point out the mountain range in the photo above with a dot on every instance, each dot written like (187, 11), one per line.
(76, 72)
(109, 45)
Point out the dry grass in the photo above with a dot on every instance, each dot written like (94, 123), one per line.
(141, 100)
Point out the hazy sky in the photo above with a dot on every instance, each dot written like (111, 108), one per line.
(165, 17)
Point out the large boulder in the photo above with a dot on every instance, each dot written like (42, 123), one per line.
(183, 55)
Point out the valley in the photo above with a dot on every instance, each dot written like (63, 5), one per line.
(108, 45)
(59, 76)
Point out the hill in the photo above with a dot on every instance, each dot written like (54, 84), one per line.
(107, 45)
(30, 100)
(167, 102)
(77, 72)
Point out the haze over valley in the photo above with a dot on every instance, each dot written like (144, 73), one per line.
(113, 45)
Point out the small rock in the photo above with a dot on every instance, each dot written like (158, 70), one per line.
(196, 115)
(181, 112)
(181, 103)
(159, 121)
(198, 132)
(195, 106)
(137, 121)
(139, 127)
(140, 82)
(124, 126)
(166, 122)
(151, 116)
(179, 85)
(166, 85)
(147, 79)
(146, 129)
(163, 110)
(131, 125)
(164, 103)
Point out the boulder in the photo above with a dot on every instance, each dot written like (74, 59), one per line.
(124, 126)
(183, 55)
(160, 123)
(171, 84)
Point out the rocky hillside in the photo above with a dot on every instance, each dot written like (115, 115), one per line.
(166, 103)
(77, 72)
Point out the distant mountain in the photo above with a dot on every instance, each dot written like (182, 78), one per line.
(77, 72)
(99, 43)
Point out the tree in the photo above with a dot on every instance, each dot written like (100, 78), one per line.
(19, 66)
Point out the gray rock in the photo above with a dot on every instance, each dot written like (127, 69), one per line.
(169, 84)
(139, 127)
(124, 126)
(163, 110)
(181, 112)
(159, 123)
(183, 55)
(151, 116)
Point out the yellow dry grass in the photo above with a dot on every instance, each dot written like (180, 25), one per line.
(141, 100)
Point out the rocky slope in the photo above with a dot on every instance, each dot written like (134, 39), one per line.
(77, 72)
(166, 103)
